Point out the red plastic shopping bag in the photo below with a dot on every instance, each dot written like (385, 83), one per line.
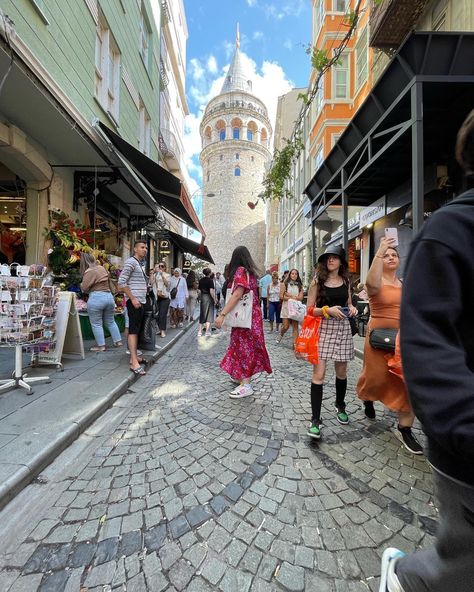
(306, 347)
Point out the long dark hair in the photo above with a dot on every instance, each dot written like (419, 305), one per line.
(191, 279)
(241, 257)
(322, 275)
(298, 279)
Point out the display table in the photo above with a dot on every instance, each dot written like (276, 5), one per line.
(86, 328)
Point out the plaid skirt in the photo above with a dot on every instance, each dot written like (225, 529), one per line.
(335, 340)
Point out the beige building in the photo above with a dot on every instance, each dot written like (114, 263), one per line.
(235, 133)
(288, 109)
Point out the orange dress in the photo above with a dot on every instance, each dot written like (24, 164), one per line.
(376, 383)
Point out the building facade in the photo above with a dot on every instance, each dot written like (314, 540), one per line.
(236, 133)
(79, 123)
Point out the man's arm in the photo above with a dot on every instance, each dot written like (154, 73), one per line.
(123, 284)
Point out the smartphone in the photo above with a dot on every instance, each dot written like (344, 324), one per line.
(392, 233)
(344, 310)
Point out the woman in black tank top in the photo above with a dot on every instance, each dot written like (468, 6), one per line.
(330, 297)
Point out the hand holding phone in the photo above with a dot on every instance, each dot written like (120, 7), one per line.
(393, 234)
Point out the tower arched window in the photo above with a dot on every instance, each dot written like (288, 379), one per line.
(251, 130)
(237, 156)
(222, 134)
(236, 133)
(237, 171)
(249, 135)
(221, 157)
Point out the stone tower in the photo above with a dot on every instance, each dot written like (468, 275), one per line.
(235, 133)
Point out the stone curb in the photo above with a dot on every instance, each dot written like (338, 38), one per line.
(23, 477)
(359, 354)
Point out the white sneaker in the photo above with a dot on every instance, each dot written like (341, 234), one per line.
(389, 581)
(139, 352)
(245, 390)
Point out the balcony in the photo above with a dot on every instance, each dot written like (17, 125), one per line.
(165, 13)
(164, 80)
(392, 20)
(169, 149)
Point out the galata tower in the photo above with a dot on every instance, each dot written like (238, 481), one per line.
(235, 134)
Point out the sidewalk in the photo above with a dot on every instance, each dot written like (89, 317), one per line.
(35, 429)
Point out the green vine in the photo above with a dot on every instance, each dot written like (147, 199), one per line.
(275, 182)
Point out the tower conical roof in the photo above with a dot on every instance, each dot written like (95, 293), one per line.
(237, 77)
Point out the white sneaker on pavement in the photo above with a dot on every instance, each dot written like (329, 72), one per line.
(244, 390)
(389, 581)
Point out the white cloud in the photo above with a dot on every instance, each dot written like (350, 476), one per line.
(251, 3)
(212, 64)
(257, 35)
(294, 8)
(288, 44)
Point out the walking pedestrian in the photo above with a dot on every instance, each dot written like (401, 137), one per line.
(329, 297)
(218, 281)
(246, 354)
(376, 382)
(101, 303)
(291, 288)
(225, 281)
(263, 284)
(208, 299)
(178, 295)
(437, 346)
(134, 283)
(160, 283)
(273, 303)
(191, 300)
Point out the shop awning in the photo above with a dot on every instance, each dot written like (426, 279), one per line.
(430, 80)
(187, 245)
(166, 189)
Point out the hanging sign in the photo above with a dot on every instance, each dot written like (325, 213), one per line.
(68, 332)
(372, 213)
(164, 247)
(186, 264)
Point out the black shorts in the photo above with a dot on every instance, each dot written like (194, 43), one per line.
(135, 316)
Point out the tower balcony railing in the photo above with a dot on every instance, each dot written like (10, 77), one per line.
(391, 21)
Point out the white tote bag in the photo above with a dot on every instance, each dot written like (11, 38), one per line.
(296, 310)
(241, 315)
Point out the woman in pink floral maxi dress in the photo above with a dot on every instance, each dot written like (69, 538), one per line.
(246, 354)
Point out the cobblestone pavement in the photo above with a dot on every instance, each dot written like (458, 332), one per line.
(179, 487)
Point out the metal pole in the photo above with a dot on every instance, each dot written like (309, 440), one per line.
(345, 217)
(417, 156)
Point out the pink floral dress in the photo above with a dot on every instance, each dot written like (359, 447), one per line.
(247, 354)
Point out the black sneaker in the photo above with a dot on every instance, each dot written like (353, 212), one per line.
(408, 440)
(369, 410)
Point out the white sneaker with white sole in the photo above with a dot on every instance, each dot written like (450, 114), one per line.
(389, 581)
(244, 390)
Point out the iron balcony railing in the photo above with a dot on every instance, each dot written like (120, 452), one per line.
(392, 20)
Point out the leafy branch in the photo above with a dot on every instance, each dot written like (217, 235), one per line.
(275, 186)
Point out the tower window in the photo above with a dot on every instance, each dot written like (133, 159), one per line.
(237, 156)
(208, 177)
(249, 135)
(252, 158)
(237, 171)
(222, 134)
(221, 157)
(236, 133)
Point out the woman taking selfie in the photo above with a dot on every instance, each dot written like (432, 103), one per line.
(376, 383)
(291, 289)
(329, 297)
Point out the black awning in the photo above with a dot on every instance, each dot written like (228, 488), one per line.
(192, 247)
(165, 188)
(374, 154)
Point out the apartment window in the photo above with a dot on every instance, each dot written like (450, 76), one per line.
(145, 39)
(335, 138)
(318, 17)
(107, 69)
(361, 58)
(339, 5)
(318, 158)
(276, 217)
(318, 99)
(144, 138)
(340, 80)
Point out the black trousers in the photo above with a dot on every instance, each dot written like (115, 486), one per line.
(162, 305)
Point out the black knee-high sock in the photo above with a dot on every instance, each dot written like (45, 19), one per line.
(341, 387)
(316, 401)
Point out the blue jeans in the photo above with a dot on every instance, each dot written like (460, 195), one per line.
(274, 312)
(100, 307)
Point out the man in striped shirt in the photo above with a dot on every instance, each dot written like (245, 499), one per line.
(134, 284)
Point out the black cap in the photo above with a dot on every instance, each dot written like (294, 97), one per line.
(334, 250)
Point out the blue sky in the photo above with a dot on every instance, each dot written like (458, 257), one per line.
(272, 36)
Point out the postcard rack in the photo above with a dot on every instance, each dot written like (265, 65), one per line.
(27, 319)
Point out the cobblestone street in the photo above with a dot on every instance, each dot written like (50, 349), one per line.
(178, 487)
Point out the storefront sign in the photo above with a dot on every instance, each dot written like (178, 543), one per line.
(164, 247)
(372, 213)
(186, 264)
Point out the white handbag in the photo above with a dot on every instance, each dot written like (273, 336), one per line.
(296, 310)
(241, 315)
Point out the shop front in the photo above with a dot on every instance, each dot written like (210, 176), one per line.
(394, 164)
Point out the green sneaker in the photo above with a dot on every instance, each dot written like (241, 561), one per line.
(314, 430)
(341, 415)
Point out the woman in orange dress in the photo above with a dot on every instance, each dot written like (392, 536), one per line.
(376, 382)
